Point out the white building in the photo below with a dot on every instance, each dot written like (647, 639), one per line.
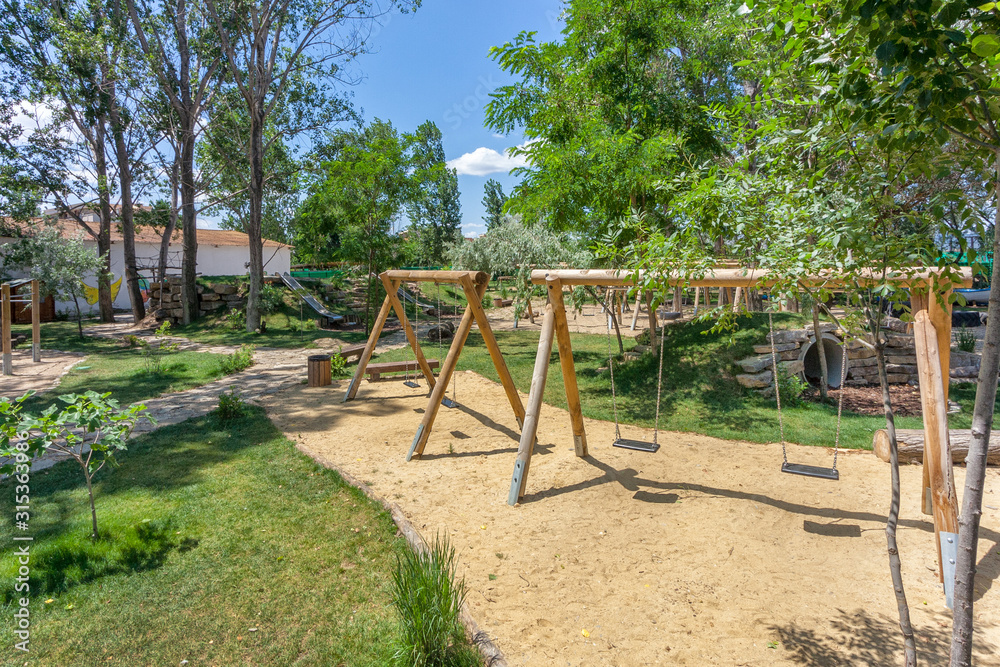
(220, 253)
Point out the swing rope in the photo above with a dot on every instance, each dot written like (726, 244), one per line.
(445, 401)
(798, 468)
(414, 383)
(623, 442)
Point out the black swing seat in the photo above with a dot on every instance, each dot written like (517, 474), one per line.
(448, 403)
(411, 383)
(810, 471)
(637, 445)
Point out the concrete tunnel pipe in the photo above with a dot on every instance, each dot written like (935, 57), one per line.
(834, 353)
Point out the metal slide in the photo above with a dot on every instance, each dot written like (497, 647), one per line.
(302, 293)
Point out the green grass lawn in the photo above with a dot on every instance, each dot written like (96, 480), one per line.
(110, 366)
(221, 545)
(699, 392)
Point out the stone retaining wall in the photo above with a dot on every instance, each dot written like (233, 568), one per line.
(862, 370)
(210, 299)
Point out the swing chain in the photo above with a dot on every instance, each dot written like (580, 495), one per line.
(840, 401)
(659, 384)
(611, 368)
(777, 390)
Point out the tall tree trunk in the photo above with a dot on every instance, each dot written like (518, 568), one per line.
(895, 565)
(126, 217)
(975, 468)
(105, 302)
(821, 351)
(253, 224)
(168, 232)
(189, 226)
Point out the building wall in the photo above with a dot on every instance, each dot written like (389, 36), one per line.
(212, 261)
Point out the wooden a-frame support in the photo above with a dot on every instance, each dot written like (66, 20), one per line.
(7, 318)
(473, 284)
(932, 334)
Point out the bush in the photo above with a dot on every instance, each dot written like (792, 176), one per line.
(966, 340)
(429, 600)
(791, 386)
(338, 364)
(240, 360)
(154, 352)
(231, 405)
(271, 299)
(237, 319)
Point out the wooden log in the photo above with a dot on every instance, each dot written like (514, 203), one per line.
(6, 313)
(474, 295)
(911, 445)
(391, 288)
(452, 277)
(530, 430)
(697, 293)
(745, 277)
(375, 371)
(318, 372)
(635, 313)
(568, 367)
(383, 313)
(737, 298)
(937, 459)
(36, 322)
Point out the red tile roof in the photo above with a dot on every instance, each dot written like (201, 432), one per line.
(214, 237)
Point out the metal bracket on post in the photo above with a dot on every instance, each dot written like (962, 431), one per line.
(515, 483)
(350, 390)
(416, 439)
(949, 553)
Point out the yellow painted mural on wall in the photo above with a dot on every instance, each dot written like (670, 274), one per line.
(91, 292)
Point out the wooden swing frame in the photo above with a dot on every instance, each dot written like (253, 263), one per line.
(931, 309)
(473, 284)
(7, 318)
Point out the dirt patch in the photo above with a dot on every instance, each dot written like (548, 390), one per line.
(704, 553)
(868, 400)
(29, 376)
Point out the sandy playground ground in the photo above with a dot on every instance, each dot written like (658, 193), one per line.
(700, 554)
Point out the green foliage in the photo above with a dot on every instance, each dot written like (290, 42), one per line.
(236, 319)
(338, 364)
(237, 361)
(494, 199)
(271, 299)
(965, 339)
(429, 600)
(231, 405)
(791, 387)
(154, 352)
(89, 418)
(434, 208)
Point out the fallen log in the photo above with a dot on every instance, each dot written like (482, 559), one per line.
(911, 445)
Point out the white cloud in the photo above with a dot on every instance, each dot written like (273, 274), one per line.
(485, 161)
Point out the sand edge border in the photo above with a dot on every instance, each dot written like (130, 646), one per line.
(493, 656)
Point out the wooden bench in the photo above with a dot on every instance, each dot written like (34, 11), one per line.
(375, 371)
(352, 352)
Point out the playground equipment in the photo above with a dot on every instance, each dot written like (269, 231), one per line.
(301, 292)
(473, 284)
(931, 308)
(7, 317)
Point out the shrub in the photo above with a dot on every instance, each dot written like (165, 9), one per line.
(271, 299)
(338, 364)
(966, 340)
(428, 600)
(132, 341)
(240, 360)
(791, 386)
(154, 352)
(231, 405)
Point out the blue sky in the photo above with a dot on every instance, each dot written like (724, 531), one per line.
(435, 65)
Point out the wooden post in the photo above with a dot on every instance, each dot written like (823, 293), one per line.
(438, 392)
(359, 372)
(937, 455)
(391, 286)
(36, 322)
(635, 313)
(652, 316)
(6, 313)
(678, 299)
(528, 434)
(737, 297)
(568, 367)
(531, 313)
(475, 297)
(722, 297)
(697, 293)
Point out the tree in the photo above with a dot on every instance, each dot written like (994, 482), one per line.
(434, 207)
(90, 430)
(364, 188)
(268, 47)
(494, 199)
(181, 53)
(58, 263)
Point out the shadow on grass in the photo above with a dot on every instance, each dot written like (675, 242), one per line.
(63, 555)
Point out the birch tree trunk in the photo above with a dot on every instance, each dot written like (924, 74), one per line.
(256, 192)
(975, 470)
(105, 301)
